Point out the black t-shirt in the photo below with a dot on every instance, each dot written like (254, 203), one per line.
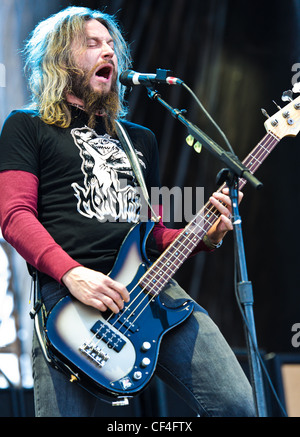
(88, 195)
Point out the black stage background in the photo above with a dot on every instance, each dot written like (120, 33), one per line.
(237, 56)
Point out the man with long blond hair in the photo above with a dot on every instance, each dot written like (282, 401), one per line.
(69, 197)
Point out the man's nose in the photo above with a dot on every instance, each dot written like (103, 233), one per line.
(107, 51)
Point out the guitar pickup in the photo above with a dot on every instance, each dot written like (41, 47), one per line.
(104, 333)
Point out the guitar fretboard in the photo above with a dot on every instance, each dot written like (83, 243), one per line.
(180, 249)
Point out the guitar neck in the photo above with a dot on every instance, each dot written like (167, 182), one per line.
(180, 249)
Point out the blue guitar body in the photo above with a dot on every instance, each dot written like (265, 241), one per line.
(114, 355)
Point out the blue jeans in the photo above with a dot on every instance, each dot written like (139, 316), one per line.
(194, 360)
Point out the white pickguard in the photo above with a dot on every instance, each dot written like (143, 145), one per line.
(74, 323)
(130, 265)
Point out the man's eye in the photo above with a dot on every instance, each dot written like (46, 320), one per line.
(91, 43)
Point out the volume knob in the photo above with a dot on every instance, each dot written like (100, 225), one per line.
(145, 362)
(146, 346)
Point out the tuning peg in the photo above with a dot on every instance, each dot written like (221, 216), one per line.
(296, 88)
(265, 113)
(287, 96)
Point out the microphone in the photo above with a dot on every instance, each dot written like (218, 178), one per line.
(129, 78)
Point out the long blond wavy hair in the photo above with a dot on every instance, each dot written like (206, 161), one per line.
(48, 60)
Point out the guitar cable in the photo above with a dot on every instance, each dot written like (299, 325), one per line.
(209, 117)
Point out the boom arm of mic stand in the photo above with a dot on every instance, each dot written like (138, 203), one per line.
(229, 159)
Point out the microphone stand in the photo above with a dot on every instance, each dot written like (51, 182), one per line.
(235, 170)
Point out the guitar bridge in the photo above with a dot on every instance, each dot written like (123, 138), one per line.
(94, 353)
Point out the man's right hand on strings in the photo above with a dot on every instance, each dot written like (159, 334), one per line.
(96, 289)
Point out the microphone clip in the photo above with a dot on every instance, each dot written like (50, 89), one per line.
(162, 75)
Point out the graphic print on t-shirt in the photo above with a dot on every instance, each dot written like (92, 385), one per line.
(105, 194)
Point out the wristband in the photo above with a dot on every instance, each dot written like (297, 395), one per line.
(210, 244)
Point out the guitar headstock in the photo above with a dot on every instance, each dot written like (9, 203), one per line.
(286, 122)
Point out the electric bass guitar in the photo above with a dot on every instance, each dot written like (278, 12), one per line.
(115, 356)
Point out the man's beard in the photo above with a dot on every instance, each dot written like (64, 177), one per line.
(96, 102)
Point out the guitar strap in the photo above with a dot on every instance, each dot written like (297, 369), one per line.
(38, 312)
(133, 159)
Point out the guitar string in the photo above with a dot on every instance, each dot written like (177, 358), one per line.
(259, 148)
(187, 234)
(250, 156)
(128, 307)
(149, 292)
